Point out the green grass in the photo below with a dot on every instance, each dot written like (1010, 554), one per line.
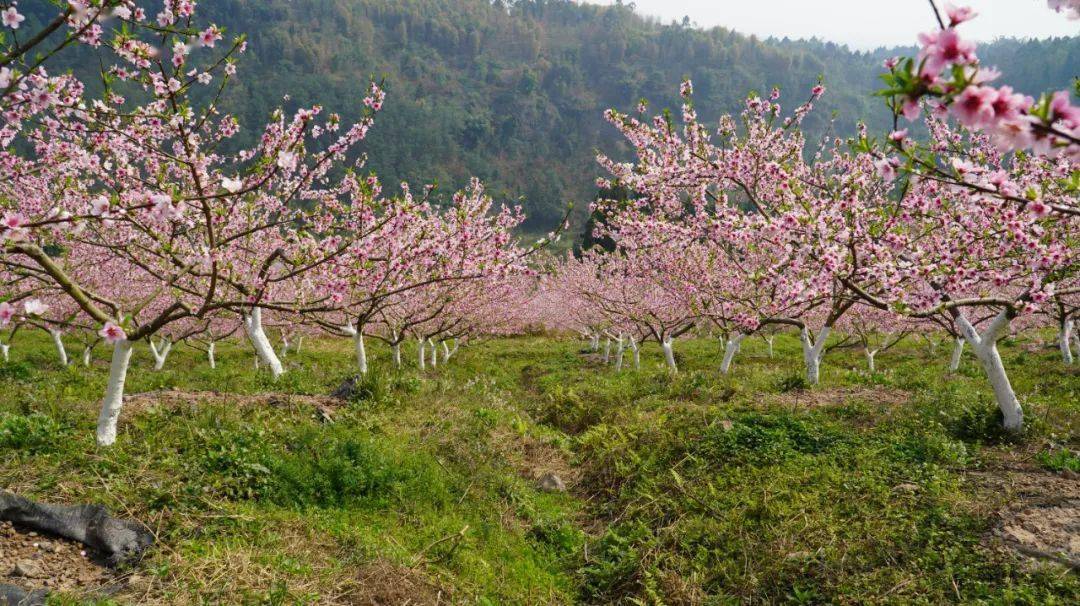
(692, 489)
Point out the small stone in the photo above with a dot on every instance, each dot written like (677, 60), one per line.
(549, 482)
(28, 569)
(49, 547)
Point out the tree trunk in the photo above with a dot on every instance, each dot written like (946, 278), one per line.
(620, 348)
(434, 354)
(669, 354)
(421, 350)
(870, 353)
(607, 351)
(86, 355)
(730, 349)
(210, 355)
(396, 347)
(263, 349)
(812, 352)
(446, 353)
(299, 343)
(59, 343)
(284, 345)
(985, 348)
(637, 353)
(160, 353)
(769, 340)
(114, 393)
(361, 351)
(1065, 341)
(957, 353)
(5, 350)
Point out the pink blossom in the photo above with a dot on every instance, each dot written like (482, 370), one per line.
(112, 333)
(34, 307)
(7, 312)
(941, 48)
(11, 18)
(210, 36)
(974, 107)
(232, 185)
(958, 15)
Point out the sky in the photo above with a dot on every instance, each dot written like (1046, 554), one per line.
(861, 24)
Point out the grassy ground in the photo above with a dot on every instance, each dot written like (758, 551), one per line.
(694, 489)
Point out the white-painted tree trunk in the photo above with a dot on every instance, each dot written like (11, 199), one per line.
(420, 351)
(299, 344)
(361, 352)
(5, 350)
(594, 342)
(210, 355)
(607, 350)
(396, 347)
(769, 341)
(58, 341)
(985, 347)
(446, 353)
(284, 345)
(263, 349)
(812, 352)
(957, 354)
(160, 352)
(637, 353)
(114, 393)
(870, 353)
(86, 352)
(669, 354)
(620, 349)
(730, 349)
(1065, 341)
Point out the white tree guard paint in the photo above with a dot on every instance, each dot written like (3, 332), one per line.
(5, 350)
(396, 347)
(210, 355)
(870, 353)
(730, 349)
(86, 352)
(284, 345)
(637, 353)
(160, 352)
(420, 351)
(446, 353)
(812, 352)
(58, 341)
(1065, 341)
(263, 349)
(957, 354)
(361, 351)
(114, 393)
(769, 340)
(669, 354)
(985, 347)
(299, 344)
(607, 350)
(620, 349)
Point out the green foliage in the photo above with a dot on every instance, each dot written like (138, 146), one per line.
(35, 433)
(692, 488)
(1060, 459)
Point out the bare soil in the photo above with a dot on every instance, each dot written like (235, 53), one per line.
(32, 560)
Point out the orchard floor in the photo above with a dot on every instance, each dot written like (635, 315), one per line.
(890, 487)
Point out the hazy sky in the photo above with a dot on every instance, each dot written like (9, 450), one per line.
(862, 24)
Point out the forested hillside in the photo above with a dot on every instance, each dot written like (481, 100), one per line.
(513, 91)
